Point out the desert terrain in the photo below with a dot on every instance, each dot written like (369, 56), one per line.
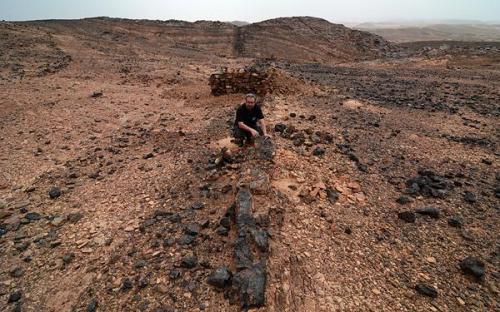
(382, 192)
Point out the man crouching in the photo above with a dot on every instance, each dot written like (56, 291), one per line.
(249, 122)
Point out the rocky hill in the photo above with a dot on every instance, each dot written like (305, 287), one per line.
(295, 38)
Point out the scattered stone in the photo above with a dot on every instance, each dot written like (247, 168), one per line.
(68, 258)
(279, 127)
(429, 184)
(486, 161)
(429, 211)
(332, 195)
(174, 274)
(148, 156)
(403, 200)
(33, 216)
(57, 221)
(220, 278)
(16, 272)
(92, 306)
(175, 218)
(197, 205)
(265, 148)
(192, 229)
(426, 290)
(319, 151)
(186, 240)
(127, 284)
(223, 231)
(455, 222)
(54, 192)
(189, 262)
(74, 217)
(407, 216)
(473, 266)
(225, 222)
(96, 94)
(15, 296)
(470, 197)
(250, 285)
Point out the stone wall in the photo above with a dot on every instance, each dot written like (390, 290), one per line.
(244, 80)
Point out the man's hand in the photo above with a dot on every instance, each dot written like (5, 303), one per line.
(254, 132)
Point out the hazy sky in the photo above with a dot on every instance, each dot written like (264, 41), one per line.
(253, 10)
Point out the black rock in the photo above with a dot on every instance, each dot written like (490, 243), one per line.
(348, 230)
(198, 205)
(192, 229)
(486, 161)
(148, 156)
(15, 296)
(279, 127)
(473, 266)
(67, 258)
(16, 272)
(407, 216)
(74, 217)
(186, 240)
(260, 237)
(426, 290)
(455, 222)
(96, 94)
(429, 184)
(54, 192)
(222, 230)
(33, 216)
(220, 278)
(470, 197)
(189, 262)
(174, 274)
(332, 195)
(403, 200)
(353, 157)
(225, 222)
(175, 218)
(167, 242)
(250, 285)
(362, 167)
(92, 306)
(319, 151)
(429, 211)
(127, 284)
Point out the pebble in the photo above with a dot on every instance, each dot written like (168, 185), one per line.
(427, 290)
(429, 211)
(127, 284)
(470, 197)
(15, 296)
(472, 266)
(92, 306)
(16, 272)
(407, 216)
(198, 205)
(220, 278)
(189, 262)
(455, 222)
(33, 216)
(54, 192)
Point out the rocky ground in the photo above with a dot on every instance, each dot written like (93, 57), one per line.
(382, 194)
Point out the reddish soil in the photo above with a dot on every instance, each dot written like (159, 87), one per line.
(118, 115)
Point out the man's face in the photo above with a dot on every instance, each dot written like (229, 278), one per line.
(250, 102)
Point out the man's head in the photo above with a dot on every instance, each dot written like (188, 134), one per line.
(250, 99)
